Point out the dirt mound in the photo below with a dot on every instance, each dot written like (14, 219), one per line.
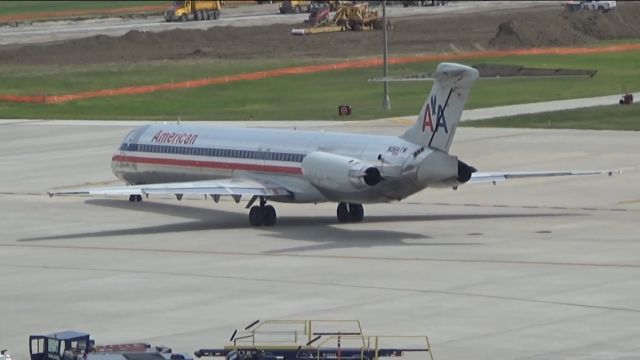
(568, 28)
(435, 33)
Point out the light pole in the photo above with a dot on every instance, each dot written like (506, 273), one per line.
(386, 102)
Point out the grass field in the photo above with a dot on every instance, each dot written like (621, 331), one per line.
(55, 80)
(312, 96)
(14, 8)
(612, 117)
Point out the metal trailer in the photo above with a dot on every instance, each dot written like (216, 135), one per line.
(313, 340)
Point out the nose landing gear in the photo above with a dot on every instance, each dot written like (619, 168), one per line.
(350, 212)
(263, 214)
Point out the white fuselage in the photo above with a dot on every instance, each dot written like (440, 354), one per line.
(175, 153)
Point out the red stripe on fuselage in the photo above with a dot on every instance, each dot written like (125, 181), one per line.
(208, 164)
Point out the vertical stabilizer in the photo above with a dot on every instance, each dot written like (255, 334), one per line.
(441, 113)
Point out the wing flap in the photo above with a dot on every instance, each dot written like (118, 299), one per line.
(208, 187)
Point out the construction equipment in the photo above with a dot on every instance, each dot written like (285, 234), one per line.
(74, 345)
(320, 11)
(318, 16)
(294, 7)
(331, 4)
(314, 340)
(193, 10)
(425, 3)
(347, 17)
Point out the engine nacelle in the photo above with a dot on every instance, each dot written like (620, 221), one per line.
(440, 169)
(337, 172)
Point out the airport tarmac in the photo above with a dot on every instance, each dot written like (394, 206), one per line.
(541, 268)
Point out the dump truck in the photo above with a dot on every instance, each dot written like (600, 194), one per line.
(75, 345)
(295, 7)
(347, 17)
(192, 10)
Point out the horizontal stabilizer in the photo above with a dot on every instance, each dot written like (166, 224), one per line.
(484, 177)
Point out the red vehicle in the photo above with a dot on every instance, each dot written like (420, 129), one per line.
(627, 99)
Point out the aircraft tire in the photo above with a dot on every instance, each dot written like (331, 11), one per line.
(343, 213)
(255, 216)
(356, 212)
(132, 198)
(269, 215)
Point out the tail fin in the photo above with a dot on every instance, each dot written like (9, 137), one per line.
(441, 113)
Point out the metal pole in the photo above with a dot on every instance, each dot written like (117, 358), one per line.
(386, 104)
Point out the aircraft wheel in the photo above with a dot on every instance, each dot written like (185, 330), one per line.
(132, 198)
(269, 215)
(343, 212)
(356, 212)
(255, 216)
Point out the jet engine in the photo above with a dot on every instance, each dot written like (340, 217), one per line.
(464, 172)
(439, 169)
(339, 173)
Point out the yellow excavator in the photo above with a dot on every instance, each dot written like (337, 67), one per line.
(355, 17)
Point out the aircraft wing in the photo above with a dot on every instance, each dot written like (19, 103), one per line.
(483, 177)
(231, 187)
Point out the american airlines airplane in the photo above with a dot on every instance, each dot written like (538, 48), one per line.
(292, 166)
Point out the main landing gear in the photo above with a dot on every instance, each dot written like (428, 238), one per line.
(349, 212)
(135, 198)
(263, 214)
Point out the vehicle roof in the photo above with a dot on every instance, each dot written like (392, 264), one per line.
(66, 335)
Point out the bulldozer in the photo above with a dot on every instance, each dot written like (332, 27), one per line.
(356, 17)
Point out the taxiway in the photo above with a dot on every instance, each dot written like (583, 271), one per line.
(545, 268)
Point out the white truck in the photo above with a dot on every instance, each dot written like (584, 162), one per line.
(597, 5)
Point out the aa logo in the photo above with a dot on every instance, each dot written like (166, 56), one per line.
(434, 110)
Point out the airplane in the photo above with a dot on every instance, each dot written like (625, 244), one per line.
(293, 166)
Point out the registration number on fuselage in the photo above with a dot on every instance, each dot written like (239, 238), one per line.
(395, 149)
